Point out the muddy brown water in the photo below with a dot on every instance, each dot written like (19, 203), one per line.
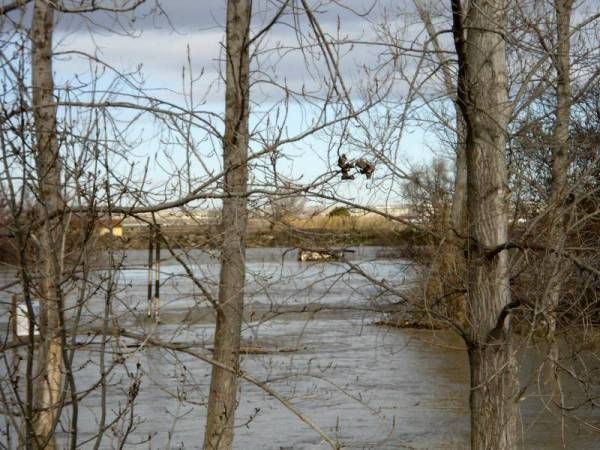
(370, 387)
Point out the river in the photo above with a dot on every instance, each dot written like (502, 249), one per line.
(370, 386)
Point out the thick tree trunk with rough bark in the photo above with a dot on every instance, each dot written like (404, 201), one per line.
(48, 377)
(493, 400)
(223, 388)
(483, 98)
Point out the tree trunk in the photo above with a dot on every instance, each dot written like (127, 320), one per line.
(555, 267)
(222, 400)
(483, 98)
(493, 404)
(48, 379)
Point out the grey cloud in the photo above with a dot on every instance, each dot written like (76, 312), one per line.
(188, 15)
(162, 52)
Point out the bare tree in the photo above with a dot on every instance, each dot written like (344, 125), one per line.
(222, 401)
(560, 167)
(483, 98)
(50, 204)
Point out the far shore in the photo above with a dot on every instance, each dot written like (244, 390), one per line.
(325, 233)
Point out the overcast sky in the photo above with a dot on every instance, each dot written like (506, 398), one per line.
(154, 42)
(156, 39)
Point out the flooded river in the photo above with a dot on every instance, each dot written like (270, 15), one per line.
(314, 323)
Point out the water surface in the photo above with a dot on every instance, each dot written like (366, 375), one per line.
(371, 387)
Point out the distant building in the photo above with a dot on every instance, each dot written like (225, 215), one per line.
(113, 226)
(173, 218)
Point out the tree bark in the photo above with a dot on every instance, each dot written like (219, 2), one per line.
(493, 402)
(560, 151)
(222, 401)
(483, 98)
(560, 164)
(48, 378)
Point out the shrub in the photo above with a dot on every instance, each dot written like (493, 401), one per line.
(340, 211)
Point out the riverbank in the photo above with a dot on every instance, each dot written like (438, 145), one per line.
(404, 241)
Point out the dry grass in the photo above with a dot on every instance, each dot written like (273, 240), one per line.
(358, 224)
(368, 229)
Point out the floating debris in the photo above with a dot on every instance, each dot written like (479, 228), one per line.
(312, 254)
